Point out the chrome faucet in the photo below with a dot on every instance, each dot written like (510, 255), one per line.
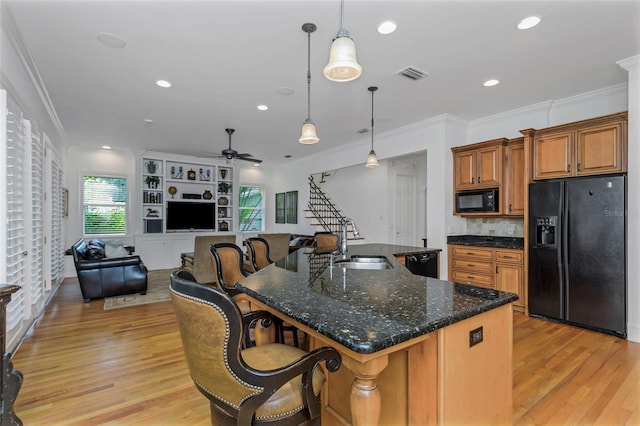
(356, 233)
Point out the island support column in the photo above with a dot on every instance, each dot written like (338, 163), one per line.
(365, 396)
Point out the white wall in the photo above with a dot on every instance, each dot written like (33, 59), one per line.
(632, 65)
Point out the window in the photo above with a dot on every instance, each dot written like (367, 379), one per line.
(251, 208)
(105, 205)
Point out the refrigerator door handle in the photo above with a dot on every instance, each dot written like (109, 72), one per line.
(566, 261)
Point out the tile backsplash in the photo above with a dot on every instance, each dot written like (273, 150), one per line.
(502, 227)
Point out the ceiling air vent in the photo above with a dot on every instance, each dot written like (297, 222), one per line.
(413, 73)
(363, 130)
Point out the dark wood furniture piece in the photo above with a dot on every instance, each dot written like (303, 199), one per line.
(272, 384)
(11, 379)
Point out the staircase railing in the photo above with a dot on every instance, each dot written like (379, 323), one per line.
(324, 211)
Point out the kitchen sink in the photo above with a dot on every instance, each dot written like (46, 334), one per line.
(364, 262)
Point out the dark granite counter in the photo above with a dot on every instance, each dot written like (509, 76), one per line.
(366, 310)
(487, 241)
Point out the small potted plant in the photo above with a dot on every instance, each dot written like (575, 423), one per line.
(223, 187)
(152, 181)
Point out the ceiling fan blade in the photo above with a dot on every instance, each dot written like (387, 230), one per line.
(253, 160)
(244, 154)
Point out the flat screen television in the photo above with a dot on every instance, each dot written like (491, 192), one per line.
(190, 216)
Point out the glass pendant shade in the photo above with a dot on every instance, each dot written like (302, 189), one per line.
(372, 160)
(343, 64)
(309, 133)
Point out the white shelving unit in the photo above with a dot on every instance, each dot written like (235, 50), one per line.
(166, 180)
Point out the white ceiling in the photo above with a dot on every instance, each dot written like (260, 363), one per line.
(226, 57)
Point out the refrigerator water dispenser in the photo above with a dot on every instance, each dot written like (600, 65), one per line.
(546, 230)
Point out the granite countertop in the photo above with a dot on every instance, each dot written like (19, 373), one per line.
(487, 241)
(366, 310)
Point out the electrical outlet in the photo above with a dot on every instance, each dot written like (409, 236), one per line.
(476, 336)
(511, 230)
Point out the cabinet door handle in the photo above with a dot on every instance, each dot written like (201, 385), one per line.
(470, 265)
(496, 269)
(479, 180)
(510, 209)
(473, 179)
(568, 168)
(578, 166)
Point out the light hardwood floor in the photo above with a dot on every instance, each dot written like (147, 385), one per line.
(86, 366)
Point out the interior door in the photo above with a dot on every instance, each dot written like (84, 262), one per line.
(405, 201)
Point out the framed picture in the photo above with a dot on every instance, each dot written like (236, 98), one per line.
(280, 207)
(291, 207)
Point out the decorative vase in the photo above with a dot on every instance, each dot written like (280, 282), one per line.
(223, 201)
(172, 190)
(207, 195)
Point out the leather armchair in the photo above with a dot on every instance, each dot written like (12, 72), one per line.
(104, 277)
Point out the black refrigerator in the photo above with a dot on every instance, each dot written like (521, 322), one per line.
(577, 252)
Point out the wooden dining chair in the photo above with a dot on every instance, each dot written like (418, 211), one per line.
(228, 259)
(272, 384)
(258, 250)
(326, 241)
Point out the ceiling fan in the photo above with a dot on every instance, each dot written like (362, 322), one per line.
(231, 154)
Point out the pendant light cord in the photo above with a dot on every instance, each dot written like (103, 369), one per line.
(372, 119)
(308, 76)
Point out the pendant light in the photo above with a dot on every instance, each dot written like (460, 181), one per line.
(309, 132)
(343, 64)
(372, 160)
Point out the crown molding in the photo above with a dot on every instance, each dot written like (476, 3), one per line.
(15, 38)
(629, 63)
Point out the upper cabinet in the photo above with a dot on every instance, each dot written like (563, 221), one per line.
(498, 163)
(589, 147)
(513, 193)
(478, 165)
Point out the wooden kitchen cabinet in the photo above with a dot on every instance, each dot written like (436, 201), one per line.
(589, 147)
(478, 165)
(471, 265)
(496, 268)
(510, 273)
(514, 185)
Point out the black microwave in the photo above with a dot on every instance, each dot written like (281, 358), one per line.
(485, 200)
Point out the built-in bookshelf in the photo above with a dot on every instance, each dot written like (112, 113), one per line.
(166, 181)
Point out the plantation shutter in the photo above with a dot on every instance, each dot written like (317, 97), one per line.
(57, 227)
(14, 270)
(37, 281)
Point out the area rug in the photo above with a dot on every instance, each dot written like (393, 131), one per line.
(157, 291)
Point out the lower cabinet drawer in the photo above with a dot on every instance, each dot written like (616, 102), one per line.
(473, 266)
(472, 278)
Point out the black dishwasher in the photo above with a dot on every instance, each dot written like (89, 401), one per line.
(425, 264)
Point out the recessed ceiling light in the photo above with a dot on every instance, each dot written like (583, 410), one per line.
(262, 107)
(163, 83)
(111, 40)
(106, 147)
(491, 82)
(256, 164)
(148, 121)
(285, 91)
(528, 22)
(387, 27)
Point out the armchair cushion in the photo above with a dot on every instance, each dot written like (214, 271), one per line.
(114, 249)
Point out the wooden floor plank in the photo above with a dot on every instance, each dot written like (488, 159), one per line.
(83, 365)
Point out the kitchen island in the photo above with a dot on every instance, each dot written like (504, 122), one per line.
(415, 350)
